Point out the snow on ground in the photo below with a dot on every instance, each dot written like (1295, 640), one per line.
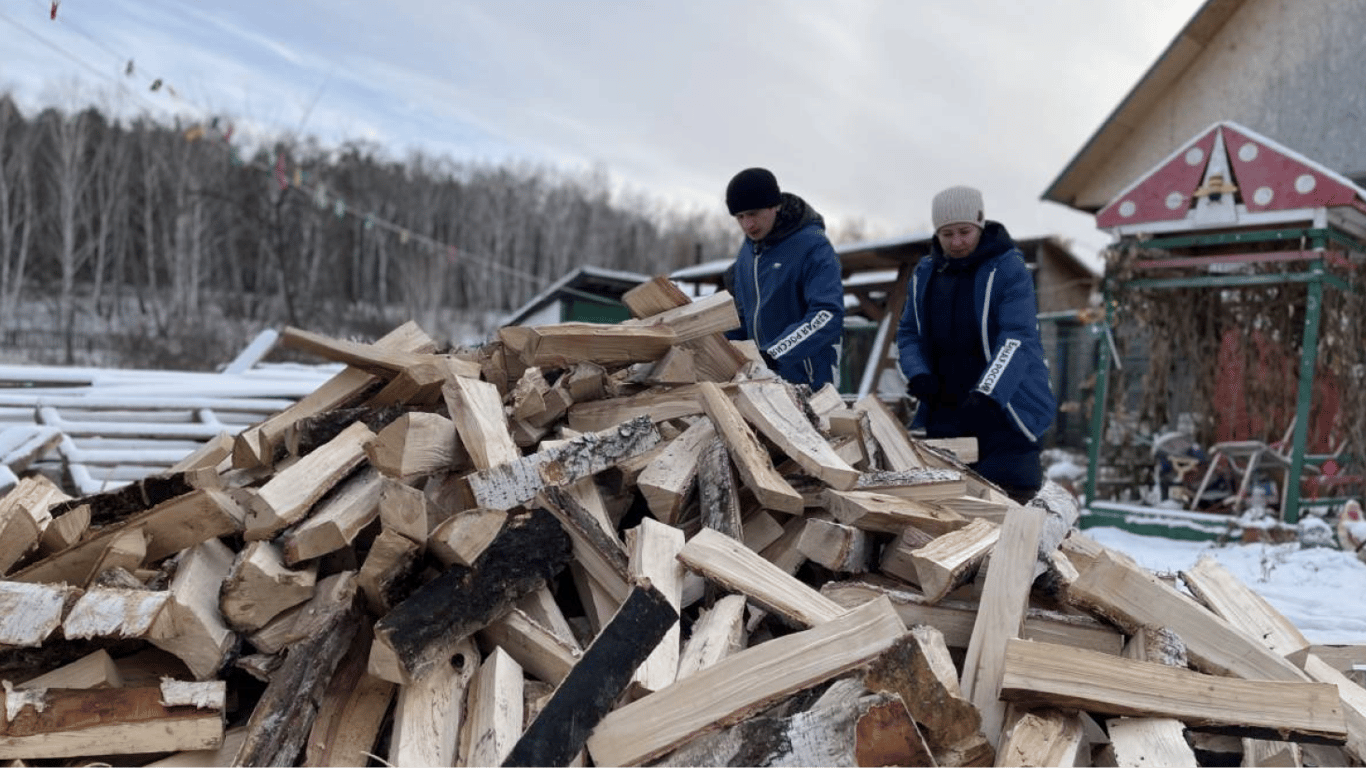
(1322, 590)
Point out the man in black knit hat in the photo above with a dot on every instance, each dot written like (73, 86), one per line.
(786, 282)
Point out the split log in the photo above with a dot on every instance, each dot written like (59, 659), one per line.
(29, 613)
(392, 557)
(596, 549)
(955, 618)
(541, 652)
(113, 613)
(283, 717)
(465, 535)
(737, 569)
(741, 685)
(847, 725)
(1246, 610)
(352, 709)
(190, 626)
(1044, 737)
(658, 405)
(841, 548)
(1353, 699)
(138, 496)
(591, 689)
(259, 587)
(659, 294)
(919, 669)
(515, 483)
(717, 494)
(1132, 597)
(1039, 674)
(476, 407)
(64, 530)
(1000, 617)
(426, 628)
(289, 495)
(891, 438)
(716, 634)
(885, 513)
(653, 548)
(404, 510)
(564, 344)
(952, 560)
(57, 723)
(493, 711)
(772, 408)
(94, 670)
(417, 444)
(256, 445)
(1143, 741)
(667, 480)
(305, 620)
(750, 457)
(170, 527)
(429, 711)
(712, 314)
(337, 519)
(918, 484)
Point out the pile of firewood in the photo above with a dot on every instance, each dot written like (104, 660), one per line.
(618, 545)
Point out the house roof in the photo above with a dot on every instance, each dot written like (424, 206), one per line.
(1171, 66)
(585, 282)
(1265, 182)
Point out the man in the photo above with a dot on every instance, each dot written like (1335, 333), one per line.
(786, 283)
(969, 344)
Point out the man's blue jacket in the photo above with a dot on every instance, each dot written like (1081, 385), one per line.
(1006, 315)
(790, 296)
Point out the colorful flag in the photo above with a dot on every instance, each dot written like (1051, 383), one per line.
(280, 176)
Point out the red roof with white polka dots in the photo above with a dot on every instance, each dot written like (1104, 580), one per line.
(1268, 177)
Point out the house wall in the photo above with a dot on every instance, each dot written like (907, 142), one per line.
(1291, 70)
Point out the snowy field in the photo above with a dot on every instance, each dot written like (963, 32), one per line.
(1322, 590)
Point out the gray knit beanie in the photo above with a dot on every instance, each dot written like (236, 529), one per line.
(957, 205)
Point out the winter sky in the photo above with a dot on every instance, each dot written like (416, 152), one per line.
(865, 108)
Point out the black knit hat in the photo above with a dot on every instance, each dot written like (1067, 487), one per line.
(751, 189)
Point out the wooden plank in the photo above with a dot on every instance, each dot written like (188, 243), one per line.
(171, 526)
(1235, 602)
(1000, 617)
(1132, 597)
(772, 408)
(742, 684)
(738, 569)
(591, 689)
(290, 493)
(516, 483)
(750, 457)
(425, 628)
(112, 721)
(1038, 674)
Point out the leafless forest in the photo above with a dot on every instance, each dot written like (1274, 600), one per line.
(135, 243)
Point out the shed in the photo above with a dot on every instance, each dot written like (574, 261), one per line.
(587, 294)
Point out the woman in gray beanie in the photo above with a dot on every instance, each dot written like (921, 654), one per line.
(969, 344)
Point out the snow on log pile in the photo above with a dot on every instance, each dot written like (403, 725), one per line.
(616, 545)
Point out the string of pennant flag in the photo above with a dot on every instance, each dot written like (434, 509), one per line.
(289, 175)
